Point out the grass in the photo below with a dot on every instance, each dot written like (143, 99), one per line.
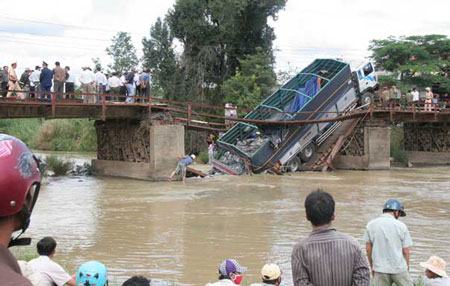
(58, 166)
(76, 135)
(397, 146)
(203, 157)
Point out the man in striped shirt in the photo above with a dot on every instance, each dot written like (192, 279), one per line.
(327, 257)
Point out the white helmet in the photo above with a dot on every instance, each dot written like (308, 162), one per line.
(193, 157)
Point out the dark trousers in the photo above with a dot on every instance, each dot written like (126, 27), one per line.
(3, 88)
(58, 88)
(45, 92)
(70, 89)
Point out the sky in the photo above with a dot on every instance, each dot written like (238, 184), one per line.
(74, 32)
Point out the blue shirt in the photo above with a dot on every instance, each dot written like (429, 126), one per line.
(187, 160)
(388, 237)
(46, 77)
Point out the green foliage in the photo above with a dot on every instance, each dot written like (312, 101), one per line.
(97, 63)
(215, 36)
(25, 253)
(53, 135)
(159, 58)
(122, 52)
(417, 60)
(252, 83)
(203, 157)
(58, 166)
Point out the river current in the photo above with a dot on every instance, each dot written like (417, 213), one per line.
(177, 233)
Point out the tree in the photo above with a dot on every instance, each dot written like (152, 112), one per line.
(215, 35)
(415, 60)
(253, 81)
(159, 58)
(97, 63)
(122, 52)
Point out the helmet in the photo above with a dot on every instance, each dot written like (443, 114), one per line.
(394, 205)
(19, 176)
(193, 157)
(92, 273)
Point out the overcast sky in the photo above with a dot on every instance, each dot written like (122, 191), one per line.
(73, 32)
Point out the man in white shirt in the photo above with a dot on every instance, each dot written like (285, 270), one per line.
(87, 80)
(100, 82)
(34, 81)
(114, 84)
(415, 96)
(51, 272)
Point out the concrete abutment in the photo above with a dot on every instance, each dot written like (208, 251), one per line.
(137, 149)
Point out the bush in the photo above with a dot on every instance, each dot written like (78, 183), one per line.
(58, 166)
(203, 157)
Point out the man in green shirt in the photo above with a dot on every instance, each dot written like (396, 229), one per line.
(388, 245)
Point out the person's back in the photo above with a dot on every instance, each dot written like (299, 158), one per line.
(46, 77)
(327, 257)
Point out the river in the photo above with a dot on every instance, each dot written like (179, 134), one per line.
(178, 233)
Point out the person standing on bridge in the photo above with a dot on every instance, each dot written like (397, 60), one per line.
(13, 83)
(87, 80)
(181, 167)
(388, 245)
(327, 257)
(59, 77)
(428, 99)
(45, 79)
(4, 81)
(34, 81)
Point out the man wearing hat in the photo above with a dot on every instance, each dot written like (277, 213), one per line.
(230, 273)
(428, 99)
(270, 275)
(388, 245)
(435, 272)
(181, 167)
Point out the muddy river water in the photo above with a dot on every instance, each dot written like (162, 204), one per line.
(178, 233)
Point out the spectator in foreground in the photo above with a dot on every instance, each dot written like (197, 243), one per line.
(181, 167)
(270, 275)
(435, 274)
(52, 272)
(230, 273)
(92, 273)
(341, 259)
(388, 245)
(19, 189)
(137, 281)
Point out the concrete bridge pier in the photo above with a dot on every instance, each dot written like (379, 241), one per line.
(137, 149)
(368, 148)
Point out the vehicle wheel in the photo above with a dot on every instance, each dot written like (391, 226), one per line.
(366, 99)
(293, 165)
(307, 153)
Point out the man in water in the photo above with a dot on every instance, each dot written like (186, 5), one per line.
(327, 257)
(388, 245)
(181, 167)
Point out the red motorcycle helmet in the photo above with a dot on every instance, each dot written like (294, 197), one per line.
(20, 178)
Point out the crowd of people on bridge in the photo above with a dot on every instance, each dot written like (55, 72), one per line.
(41, 82)
(326, 257)
(393, 97)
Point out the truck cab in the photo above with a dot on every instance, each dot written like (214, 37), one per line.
(366, 82)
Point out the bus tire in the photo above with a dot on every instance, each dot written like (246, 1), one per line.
(366, 99)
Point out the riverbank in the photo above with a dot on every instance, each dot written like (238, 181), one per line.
(77, 135)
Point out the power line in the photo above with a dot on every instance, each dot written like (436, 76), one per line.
(56, 36)
(30, 42)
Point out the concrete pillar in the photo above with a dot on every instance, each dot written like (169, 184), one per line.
(377, 145)
(165, 144)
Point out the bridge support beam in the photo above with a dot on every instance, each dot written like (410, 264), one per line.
(135, 149)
